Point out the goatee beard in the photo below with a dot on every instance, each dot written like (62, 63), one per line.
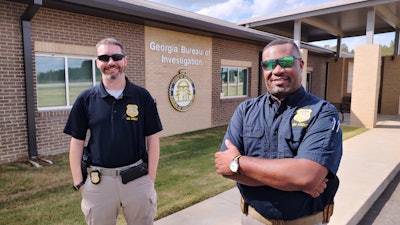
(110, 77)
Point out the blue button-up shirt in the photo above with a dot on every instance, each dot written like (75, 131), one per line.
(302, 126)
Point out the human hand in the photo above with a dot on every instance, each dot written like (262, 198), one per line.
(318, 190)
(223, 159)
(80, 190)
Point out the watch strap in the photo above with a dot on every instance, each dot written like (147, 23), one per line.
(236, 160)
(76, 187)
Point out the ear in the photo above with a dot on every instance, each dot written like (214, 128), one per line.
(301, 63)
(126, 60)
(97, 63)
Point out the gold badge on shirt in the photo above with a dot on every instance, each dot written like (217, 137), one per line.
(302, 115)
(132, 111)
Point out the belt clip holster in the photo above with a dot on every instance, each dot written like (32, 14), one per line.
(244, 206)
(328, 212)
(134, 173)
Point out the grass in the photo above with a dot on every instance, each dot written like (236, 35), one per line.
(186, 175)
(349, 131)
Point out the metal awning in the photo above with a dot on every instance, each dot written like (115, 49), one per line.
(165, 17)
(332, 20)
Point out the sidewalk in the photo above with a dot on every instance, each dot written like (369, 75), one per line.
(370, 161)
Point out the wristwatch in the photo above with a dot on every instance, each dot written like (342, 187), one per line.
(76, 187)
(234, 165)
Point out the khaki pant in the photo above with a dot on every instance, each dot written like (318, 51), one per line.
(249, 220)
(101, 202)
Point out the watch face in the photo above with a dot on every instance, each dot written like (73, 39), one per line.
(234, 166)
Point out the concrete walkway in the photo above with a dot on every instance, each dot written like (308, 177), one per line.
(370, 161)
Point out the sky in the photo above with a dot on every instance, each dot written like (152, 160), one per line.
(235, 10)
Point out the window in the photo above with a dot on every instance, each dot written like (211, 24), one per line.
(350, 78)
(60, 79)
(233, 82)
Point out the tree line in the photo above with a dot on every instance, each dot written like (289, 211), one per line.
(386, 50)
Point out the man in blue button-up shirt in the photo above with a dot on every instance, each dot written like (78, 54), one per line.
(284, 147)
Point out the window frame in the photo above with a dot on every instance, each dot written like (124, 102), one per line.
(66, 76)
(238, 69)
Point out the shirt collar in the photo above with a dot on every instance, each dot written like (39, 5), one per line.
(290, 100)
(125, 92)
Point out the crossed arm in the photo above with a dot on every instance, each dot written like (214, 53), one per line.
(288, 174)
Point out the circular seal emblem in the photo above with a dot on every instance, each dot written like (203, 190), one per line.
(181, 91)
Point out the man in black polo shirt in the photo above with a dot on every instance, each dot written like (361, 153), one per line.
(284, 147)
(124, 145)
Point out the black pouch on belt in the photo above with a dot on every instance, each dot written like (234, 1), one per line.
(85, 162)
(134, 173)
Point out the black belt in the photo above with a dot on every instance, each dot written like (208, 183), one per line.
(323, 216)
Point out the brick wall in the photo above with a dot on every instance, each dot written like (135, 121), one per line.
(318, 75)
(58, 27)
(50, 26)
(335, 80)
(390, 86)
(222, 109)
(69, 28)
(13, 127)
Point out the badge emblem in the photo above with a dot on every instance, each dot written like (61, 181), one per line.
(181, 91)
(132, 112)
(95, 177)
(302, 115)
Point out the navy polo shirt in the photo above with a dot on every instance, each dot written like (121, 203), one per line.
(302, 126)
(118, 127)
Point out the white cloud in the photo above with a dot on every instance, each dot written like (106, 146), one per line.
(234, 10)
(353, 42)
(264, 7)
(231, 10)
(191, 6)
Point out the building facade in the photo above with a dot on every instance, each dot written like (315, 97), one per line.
(198, 75)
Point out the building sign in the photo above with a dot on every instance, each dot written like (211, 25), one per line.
(181, 91)
(180, 55)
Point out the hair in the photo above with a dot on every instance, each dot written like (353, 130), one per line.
(283, 42)
(111, 41)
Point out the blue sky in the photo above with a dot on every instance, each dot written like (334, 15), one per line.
(235, 10)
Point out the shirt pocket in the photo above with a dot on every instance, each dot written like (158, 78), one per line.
(254, 141)
(293, 138)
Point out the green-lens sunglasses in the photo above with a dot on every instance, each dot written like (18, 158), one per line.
(284, 62)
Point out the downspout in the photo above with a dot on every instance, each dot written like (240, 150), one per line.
(326, 80)
(28, 69)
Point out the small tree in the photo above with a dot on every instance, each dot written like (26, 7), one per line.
(388, 50)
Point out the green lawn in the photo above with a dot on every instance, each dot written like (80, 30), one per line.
(186, 175)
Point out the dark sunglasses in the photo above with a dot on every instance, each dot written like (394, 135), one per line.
(106, 58)
(284, 62)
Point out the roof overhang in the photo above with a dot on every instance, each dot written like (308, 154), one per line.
(331, 20)
(165, 17)
(152, 14)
